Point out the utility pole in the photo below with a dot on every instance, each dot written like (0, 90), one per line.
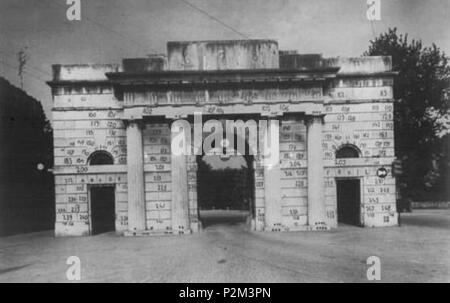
(22, 56)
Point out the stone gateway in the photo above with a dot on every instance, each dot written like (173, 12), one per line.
(330, 123)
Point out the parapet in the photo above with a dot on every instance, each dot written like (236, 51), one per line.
(360, 65)
(293, 60)
(83, 72)
(347, 66)
(157, 62)
(223, 55)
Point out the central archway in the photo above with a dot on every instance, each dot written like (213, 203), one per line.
(226, 187)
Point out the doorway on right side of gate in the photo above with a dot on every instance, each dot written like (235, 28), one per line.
(348, 192)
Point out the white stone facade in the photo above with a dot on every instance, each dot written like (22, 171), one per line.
(127, 110)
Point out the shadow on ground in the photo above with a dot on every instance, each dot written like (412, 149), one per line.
(222, 217)
(13, 268)
(432, 218)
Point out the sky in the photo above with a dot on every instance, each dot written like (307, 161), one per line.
(110, 30)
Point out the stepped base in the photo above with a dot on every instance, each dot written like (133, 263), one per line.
(145, 233)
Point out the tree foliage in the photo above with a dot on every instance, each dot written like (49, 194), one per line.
(421, 102)
(223, 188)
(26, 139)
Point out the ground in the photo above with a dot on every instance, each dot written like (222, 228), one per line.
(417, 251)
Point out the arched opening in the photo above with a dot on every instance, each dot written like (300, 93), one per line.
(225, 188)
(100, 157)
(347, 151)
(348, 191)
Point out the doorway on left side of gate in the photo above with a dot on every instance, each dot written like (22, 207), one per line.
(102, 209)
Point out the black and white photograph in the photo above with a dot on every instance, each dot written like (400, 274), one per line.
(240, 143)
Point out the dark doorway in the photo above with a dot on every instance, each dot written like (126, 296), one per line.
(225, 189)
(102, 209)
(348, 201)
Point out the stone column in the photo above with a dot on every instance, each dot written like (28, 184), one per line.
(272, 175)
(180, 199)
(316, 198)
(135, 176)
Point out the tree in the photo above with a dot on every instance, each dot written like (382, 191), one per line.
(421, 104)
(223, 188)
(26, 139)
